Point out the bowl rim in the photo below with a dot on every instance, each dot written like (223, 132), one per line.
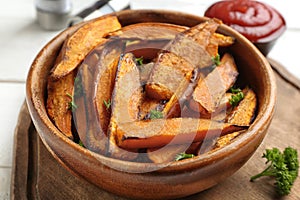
(260, 121)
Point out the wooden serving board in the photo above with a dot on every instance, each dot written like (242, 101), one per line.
(37, 175)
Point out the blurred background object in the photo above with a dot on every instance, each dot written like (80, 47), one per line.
(53, 14)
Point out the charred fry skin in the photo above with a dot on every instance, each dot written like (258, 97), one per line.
(79, 44)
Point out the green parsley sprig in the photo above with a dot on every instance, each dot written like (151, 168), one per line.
(237, 96)
(72, 105)
(182, 156)
(216, 59)
(80, 143)
(140, 60)
(155, 114)
(283, 167)
(107, 103)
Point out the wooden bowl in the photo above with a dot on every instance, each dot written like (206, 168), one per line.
(146, 180)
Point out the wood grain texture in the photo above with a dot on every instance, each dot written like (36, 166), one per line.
(37, 175)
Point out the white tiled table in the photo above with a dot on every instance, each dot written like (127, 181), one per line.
(21, 38)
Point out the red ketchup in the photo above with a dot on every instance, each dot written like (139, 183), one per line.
(258, 22)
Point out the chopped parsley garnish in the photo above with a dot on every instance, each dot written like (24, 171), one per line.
(78, 91)
(139, 60)
(235, 90)
(80, 143)
(216, 60)
(107, 103)
(155, 114)
(72, 105)
(237, 96)
(182, 156)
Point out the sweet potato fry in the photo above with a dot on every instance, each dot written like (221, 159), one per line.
(165, 154)
(217, 40)
(106, 74)
(161, 132)
(126, 100)
(181, 56)
(145, 71)
(209, 92)
(243, 114)
(97, 76)
(226, 139)
(148, 105)
(194, 110)
(80, 43)
(168, 153)
(103, 95)
(60, 94)
(85, 116)
(148, 31)
(166, 76)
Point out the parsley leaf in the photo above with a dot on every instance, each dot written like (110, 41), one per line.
(216, 60)
(155, 114)
(236, 98)
(107, 104)
(235, 90)
(139, 60)
(182, 156)
(80, 143)
(72, 105)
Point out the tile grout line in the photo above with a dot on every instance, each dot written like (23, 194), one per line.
(13, 81)
(5, 167)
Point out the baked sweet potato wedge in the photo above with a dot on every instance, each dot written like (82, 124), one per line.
(161, 132)
(217, 40)
(87, 127)
(244, 112)
(170, 152)
(85, 116)
(105, 80)
(145, 71)
(80, 43)
(210, 91)
(60, 97)
(97, 70)
(165, 154)
(226, 139)
(126, 100)
(149, 105)
(218, 115)
(179, 58)
(148, 31)
(166, 76)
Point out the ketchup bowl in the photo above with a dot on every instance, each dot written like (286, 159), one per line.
(258, 22)
(143, 180)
